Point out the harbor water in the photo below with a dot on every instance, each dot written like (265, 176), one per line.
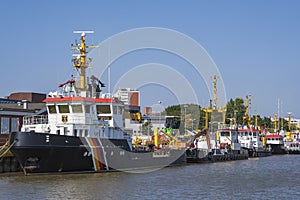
(256, 178)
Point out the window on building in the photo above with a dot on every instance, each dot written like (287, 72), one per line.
(63, 109)
(14, 124)
(77, 108)
(4, 125)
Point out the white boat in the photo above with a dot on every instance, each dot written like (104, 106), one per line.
(250, 139)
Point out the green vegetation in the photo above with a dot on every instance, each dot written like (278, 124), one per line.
(235, 110)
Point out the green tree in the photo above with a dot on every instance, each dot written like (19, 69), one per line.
(257, 118)
(235, 109)
(190, 111)
(267, 122)
(174, 110)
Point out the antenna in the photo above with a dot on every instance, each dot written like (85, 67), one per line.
(108, 70)
(83, 32)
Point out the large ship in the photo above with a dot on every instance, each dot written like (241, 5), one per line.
(83, 131)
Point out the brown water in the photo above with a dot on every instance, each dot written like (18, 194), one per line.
(259, 178)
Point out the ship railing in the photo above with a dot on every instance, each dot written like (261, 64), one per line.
(35, 119)
(74, 120)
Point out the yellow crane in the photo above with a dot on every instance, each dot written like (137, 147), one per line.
(275, 123)
(213, 106)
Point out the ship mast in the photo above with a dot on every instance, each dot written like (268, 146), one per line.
(80, 62)
(215, 92)
(247, 117)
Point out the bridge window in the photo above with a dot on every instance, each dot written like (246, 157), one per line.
(52, 109)
(87, 108)
(75, 132)
(225, 134)
(77, 108)
(103, 109)
(63, 109)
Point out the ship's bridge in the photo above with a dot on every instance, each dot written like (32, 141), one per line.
(70, 110)
(78, 116)
(80, 110)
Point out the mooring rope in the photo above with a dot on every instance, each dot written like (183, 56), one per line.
(7, 149)
(5, 145)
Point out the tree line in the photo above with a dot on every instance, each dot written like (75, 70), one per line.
(195, 116)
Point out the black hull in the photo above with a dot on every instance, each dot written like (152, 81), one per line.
(201, 156)
(277, 149)
(293, 151)
(46, 153)
(259, 153)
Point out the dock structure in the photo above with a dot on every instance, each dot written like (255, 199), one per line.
(8, 162)
(12, 110)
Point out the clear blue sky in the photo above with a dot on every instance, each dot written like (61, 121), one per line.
(255, 44)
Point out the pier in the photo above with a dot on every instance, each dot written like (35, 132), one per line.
(8, 162)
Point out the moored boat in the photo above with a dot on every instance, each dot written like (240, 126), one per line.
(83, 131)
(251, 140)
(292, 143)
(220, 146)
(275, 143)
(293, 147)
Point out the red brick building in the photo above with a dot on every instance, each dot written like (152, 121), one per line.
(28, 96)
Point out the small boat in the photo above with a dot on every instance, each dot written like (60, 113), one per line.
(292, 143)
(292, 147)
(250, 139)
(222, 145)
(275, 143)
(83, 131)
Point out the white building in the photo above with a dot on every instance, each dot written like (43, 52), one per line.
(128, 96)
